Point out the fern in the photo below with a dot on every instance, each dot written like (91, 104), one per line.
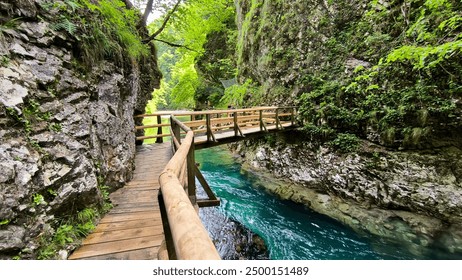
(73, 5)
(65, 24)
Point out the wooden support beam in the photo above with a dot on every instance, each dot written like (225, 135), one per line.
(210, 136)
(152, 136)
(208, 203)
(191, 163)
(204, 183)
(175, 130)
(278, 121)
(159, 130)
(151, 126)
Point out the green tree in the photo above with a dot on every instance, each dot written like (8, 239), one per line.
(181, 45)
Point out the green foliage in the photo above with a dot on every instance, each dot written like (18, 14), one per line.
(38, 199)
(52, 192)
(104, 190)
(411, 91)
(237, 94)
(56, 127)
(4, 222)
(66, 25)
(68, 233)
(345, 143)
(107, 30)
(318, 133)
(182, 82)
(10, 24)
(4, 61)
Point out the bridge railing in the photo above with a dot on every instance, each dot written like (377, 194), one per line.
(186, 237)
(210, 122)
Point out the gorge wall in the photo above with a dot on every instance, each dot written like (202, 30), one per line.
(347, 66)
(68, 94)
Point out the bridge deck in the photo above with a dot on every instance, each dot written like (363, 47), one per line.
(228, 136)
(133, 228)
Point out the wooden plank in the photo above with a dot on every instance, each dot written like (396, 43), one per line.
(116, 247)
(141, 254)
(127, 225)
(131, 217)
(132, 209)
(124, 234)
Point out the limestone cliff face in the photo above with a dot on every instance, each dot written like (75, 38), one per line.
(66, 126)
(314, 47)
(409, 197)
(280, 43)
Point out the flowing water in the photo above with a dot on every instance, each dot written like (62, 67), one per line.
(290, 231)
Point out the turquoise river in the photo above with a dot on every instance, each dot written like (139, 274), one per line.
(290, 231)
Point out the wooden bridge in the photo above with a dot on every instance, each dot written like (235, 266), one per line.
(155, 215)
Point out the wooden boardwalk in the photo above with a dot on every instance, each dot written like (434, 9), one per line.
(133, 228)
(228, 136)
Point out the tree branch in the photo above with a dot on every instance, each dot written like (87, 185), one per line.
(147, 11)
(174, 44)
(128, 4)
(167, 18)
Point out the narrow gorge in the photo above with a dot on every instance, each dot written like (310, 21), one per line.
(376, 84)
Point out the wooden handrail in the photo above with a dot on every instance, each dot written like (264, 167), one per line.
(188, 235)
(232, 119)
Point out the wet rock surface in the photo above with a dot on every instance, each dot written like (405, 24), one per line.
(407, 196)
(232, 240)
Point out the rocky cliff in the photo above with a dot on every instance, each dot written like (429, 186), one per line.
(375, 70)
(413, 198)
(68, 94)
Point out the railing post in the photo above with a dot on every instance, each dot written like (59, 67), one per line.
(236, 127)
(175, 130)
(261, 120)
(278, 123)
(191, 163)
(159, 130)
(208, 124)
(292, 117)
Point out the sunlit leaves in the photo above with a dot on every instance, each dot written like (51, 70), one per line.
(189, 27)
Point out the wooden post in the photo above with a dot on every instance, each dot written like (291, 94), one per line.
(292, 117)
(208, 124)
(261, 120)
(175, 130)
(159, 130)
(236, 127)
(278, 123)
(191, 164)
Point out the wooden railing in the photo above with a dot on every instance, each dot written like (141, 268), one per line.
(186, 237)
(211, 122)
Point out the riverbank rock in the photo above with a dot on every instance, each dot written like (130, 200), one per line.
(407, 196)
(66, 123)
(232, 240)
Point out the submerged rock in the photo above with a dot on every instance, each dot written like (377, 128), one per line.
(232, 240)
